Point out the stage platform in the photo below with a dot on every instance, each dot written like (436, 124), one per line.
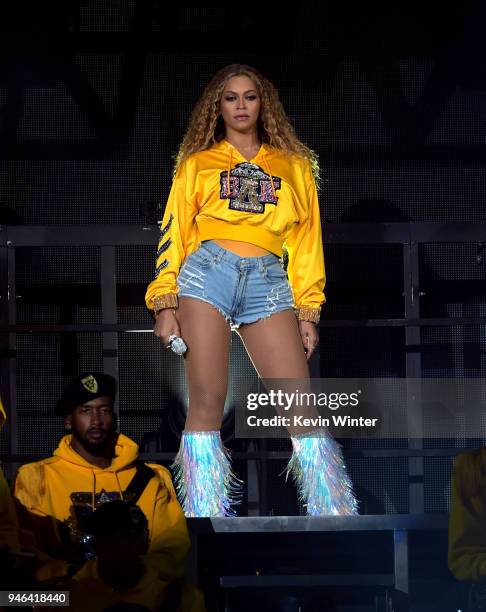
(369, 553)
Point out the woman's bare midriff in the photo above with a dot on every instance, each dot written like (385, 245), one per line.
(245, 249)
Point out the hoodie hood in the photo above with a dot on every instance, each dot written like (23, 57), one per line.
(232, 150)
(126, 452)
(98, 479)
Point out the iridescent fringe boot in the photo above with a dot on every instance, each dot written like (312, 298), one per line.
(203, 477)
(319, 471)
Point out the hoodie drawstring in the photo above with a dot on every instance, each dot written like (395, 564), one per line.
(268, 169)
(93, 494)
(269, 172)
(119, 486)
(229, 170)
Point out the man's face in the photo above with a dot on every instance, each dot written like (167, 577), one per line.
(93, 424)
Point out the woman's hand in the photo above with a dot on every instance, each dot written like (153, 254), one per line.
(310, 336)
(166, 324)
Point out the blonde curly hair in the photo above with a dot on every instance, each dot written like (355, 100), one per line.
(206, 126)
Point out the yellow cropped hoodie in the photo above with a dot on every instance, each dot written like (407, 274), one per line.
(270, 201)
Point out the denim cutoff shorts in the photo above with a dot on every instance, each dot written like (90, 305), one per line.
(243, 289)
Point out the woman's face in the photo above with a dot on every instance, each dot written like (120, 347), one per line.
(240, 104)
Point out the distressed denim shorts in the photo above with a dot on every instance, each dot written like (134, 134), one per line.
(243, 289)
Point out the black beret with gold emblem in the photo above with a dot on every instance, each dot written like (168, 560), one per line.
(84, 388)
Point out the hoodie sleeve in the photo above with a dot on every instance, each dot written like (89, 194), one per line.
(178, 237)
(29, 487)
(169, 541)
(304, 245)
(39, 532)
(467, 522)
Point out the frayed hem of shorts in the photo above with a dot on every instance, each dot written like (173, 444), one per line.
(267, 316)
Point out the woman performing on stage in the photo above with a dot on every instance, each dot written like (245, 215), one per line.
(244, 188)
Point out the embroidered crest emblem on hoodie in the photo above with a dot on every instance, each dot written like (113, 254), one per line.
(249, 188)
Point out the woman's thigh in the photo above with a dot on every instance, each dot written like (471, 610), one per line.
(207, 336)
(274, 345)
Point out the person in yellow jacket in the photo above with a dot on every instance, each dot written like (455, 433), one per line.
(244, 191)
(467, 519)
(92, 465)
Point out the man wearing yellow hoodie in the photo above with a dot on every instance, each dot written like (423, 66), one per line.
(92, 465)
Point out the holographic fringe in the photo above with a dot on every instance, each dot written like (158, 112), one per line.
(319, 471)
(203, 477)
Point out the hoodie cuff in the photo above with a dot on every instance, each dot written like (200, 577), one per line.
(168, 300)
(304, 313)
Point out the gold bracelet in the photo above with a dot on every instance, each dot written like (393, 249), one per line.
(168, 300)
(305, 313)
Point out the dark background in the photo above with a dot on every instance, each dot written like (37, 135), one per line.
(94, 99)
(96, 95)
